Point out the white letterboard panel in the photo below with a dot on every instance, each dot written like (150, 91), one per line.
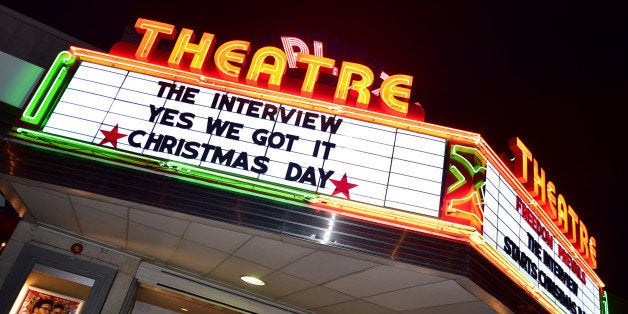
(506, 229)
(318, 152)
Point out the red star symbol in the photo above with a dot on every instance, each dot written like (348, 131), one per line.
(342, 186)
(112, 136)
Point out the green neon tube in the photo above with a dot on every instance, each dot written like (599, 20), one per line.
(181, 171)
(39, 105)
(241, 182)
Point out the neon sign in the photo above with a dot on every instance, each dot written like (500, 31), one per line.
(518, 234)
(251, 137)
(268, 65)
(553, 204)
(464, 182)
(234, 125)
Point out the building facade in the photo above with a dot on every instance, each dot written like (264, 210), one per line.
(152, 181)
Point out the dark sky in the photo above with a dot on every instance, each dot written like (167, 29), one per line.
(552, 73)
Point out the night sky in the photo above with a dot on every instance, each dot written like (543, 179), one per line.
(552, 73)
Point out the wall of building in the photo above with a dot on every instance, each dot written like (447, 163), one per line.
(32, 41)
(35, 45)
(125, 265)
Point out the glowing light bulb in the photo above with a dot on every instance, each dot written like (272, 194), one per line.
(252, 280)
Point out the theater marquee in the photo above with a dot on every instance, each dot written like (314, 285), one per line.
(242, 122)
(268, 141)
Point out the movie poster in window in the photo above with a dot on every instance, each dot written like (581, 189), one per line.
(36, 300)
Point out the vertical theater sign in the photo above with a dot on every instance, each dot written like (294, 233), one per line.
(260, 122)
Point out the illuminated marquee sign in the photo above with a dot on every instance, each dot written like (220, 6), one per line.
(237, 124)
(268, 65)
(515, 231)
(272, 142)
(552, 203)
